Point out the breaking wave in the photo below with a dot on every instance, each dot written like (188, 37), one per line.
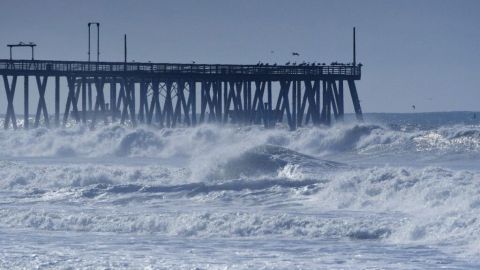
(209, 140)
(246, 182)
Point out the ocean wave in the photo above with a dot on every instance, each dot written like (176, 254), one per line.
(204, 224)
(212, 143)
(414, 205)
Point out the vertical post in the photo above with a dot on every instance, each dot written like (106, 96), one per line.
(249, 100)
(33, 52)
(340, 102)
(84, 101)
(193, 95)
(25, 104)
(10, 52)
(113, 99)
(57, 101)
(294, 105)
(133, 102)
(354, 48)
(299, 103)
(90, 98)
(317, 102)
(226, 104)
(98, 42)
(125, 47)
(269, 111)
(89, 42)
(355, 100)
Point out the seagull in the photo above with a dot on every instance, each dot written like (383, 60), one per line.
(295, 54)
(413, 107)
(288, 63)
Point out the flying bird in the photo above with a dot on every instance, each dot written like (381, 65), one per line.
(413, 107)
(295, 54)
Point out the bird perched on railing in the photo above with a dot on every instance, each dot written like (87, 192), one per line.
(287, 64)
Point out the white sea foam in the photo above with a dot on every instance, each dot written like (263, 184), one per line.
(208, 182)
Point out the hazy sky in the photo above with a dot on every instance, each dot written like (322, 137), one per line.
(414, 52)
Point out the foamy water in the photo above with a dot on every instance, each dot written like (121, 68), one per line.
(395, 192)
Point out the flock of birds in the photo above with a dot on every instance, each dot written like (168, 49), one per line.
(307, 64)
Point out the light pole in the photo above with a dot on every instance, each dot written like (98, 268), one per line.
(98, 40)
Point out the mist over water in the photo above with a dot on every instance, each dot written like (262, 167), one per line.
(398, 191)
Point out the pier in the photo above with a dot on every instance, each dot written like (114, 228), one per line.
(173, 94)
(166, 95)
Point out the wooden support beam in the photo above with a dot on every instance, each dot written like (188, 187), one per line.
(317, 101)
(84, 100)
(71, 101)
(333, 102)
(207, 101)
(99, 107)
(177, 114)
(270, 104)
(155, 108)
(283, 103)
(192, 100)
(203, 101)
(42, 106)
(226, 101)
(26, 114)
(90, 96)
(258, 110)
(355, 100)
(168, 106)
(57, 101)
(229, 99)
(325, 116)
(184, 102)
(217, 100)
(10, 91)
(143, 110)
(121, 100)
(309, 99)
(299, 102)
(293, 124)
(113, 100)
(128, 102)
(133, 103)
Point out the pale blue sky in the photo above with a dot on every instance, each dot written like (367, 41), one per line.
(414, 52)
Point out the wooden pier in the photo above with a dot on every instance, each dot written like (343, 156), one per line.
(170, 95)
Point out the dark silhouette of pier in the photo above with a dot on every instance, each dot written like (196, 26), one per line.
(169, 94)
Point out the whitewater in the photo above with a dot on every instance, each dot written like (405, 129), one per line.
(397, 191)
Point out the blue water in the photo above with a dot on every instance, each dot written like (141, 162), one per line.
(398, 191)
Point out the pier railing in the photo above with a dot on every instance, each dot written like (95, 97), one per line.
(47, 66)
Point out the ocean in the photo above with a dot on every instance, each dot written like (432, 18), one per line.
(397, 191)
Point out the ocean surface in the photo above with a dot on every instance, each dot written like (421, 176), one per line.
(397, 191)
